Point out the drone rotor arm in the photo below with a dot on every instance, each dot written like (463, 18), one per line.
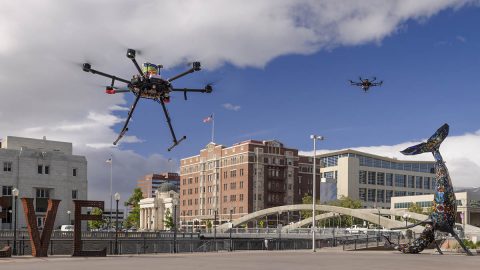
(195, 67)
(93, 71)
(190, 90)
(137, 66)
(181, 75)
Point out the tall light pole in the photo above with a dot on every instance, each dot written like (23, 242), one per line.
(215, 212)
(117, 198)
(110, 161)
(314, 138)
(15, 193)
(231, 228)
(174, 204)
(69, 219)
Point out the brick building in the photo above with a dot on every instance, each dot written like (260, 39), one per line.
(246, 177)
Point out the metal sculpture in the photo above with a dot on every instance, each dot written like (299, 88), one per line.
(444, 206)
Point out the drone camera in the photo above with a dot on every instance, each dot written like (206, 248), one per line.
(131, 53)
(196, 66)
(86, 67)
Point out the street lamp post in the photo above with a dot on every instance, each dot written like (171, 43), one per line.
(15, 193)
(231, 228)
(314, 138)
(117, 198)
(215, 228)
(110, 161)
(175, 202)
(69, 219)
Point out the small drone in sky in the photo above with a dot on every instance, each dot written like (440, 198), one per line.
(149, 84)
(366, 83)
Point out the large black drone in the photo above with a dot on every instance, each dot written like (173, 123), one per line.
(366, 83)
(148, 84)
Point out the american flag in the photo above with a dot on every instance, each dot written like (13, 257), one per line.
(208, 119)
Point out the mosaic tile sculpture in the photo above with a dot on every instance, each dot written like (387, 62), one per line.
(444, 207)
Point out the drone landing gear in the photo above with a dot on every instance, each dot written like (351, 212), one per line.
(176, 143)
(125, 126)
(167, 116)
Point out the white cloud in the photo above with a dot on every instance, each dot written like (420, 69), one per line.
(461, 39)
(44, 93)
(461, 154)
(231, 107)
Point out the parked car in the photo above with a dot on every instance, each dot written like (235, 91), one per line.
(355, 229)
(66, 228)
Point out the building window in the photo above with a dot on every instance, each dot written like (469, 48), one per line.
(43, 193)
(41, 199)
(426, 183)
(411, 181)
(47, 169)
(389, 179)
(241, 172)
(400, 180)
(371, 195)
(74, 194)
(40, 169)
(225, 198)
(362, 194)
(362, 178)
(7, 166)
(241, 197)
(418, 182)
(225, 186)
(241, 184)
(372, 178)
(380, 178)
(389, 196)
(74, 172)
(240, 209)
(225, 174)
(380, 195)
(7, 190)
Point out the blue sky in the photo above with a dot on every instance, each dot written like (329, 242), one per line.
(283, 63)
(430, 73)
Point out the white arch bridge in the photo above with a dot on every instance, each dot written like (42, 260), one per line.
(374, 216)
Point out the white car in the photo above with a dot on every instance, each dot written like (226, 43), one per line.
(66, 228)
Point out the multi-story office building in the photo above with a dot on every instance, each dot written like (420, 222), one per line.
(151, 182)
(42, 169)
(246, 177)
(372, 179)
(253, 175)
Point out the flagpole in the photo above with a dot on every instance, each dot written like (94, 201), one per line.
(213, 126)
(111, 180)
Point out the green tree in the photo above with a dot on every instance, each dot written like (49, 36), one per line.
(133, 219)
(168, 221)
(307, 199)
(209, 224)
(346, 202)
(96, 224)
(415, 208)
